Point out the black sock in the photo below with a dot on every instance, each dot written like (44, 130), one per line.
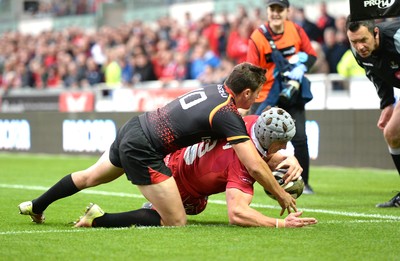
(63, 188)
(396, 160)
(139, 217)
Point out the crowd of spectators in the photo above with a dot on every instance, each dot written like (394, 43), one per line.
(204, 50)
(43, 8)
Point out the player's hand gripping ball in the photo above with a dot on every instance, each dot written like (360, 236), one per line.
(294, 187)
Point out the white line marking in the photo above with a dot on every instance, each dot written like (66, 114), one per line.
(86, 191)
(97, 229)
(57, 231)
(219, 202)
(358, 221)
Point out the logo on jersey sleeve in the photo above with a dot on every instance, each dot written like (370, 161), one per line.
(246, 180)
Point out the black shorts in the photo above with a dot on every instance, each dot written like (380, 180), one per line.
(133, 152)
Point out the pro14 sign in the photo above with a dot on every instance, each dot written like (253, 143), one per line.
(374, 9)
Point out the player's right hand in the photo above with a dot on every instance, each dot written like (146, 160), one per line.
(287, 202)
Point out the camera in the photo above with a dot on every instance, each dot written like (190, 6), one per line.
(288, 95)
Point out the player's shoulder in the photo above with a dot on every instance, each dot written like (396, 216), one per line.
(250, 119)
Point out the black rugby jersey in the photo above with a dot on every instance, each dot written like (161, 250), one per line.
(382, 67)
(200, 115)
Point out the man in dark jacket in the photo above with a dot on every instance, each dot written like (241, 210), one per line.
(376, 48)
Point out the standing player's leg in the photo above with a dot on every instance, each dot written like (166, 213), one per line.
(392, 137)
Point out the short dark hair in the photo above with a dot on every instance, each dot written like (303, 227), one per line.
(353, 26)
(245, 75)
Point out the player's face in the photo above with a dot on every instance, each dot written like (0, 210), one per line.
(276, 15)
(276, 146)
(362, 41)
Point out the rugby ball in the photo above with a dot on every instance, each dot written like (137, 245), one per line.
(294, 187)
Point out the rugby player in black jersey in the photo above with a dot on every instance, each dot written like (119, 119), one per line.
(143, 142)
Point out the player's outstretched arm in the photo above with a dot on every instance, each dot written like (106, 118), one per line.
(260, 171)
(241, 214)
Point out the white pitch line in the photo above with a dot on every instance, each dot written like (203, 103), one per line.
(358, 221)
(57, 231)
(86, 191)
(77, 230)
(219, 202)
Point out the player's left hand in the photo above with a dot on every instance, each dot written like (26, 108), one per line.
(287, 202)
(295, 220)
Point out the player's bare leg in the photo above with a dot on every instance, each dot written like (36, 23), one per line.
(166, 200)
(103, 171)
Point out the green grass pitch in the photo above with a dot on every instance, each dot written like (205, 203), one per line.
(349, 228)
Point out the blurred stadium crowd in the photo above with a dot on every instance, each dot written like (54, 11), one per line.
(205, 49)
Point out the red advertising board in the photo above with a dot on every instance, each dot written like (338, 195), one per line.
(76, 102)
(139, 100)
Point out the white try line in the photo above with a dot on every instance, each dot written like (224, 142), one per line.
(219, 202)
(86, 230)
(76, 230)
(359, 221)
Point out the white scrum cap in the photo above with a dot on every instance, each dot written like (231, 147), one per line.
(273, 125)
